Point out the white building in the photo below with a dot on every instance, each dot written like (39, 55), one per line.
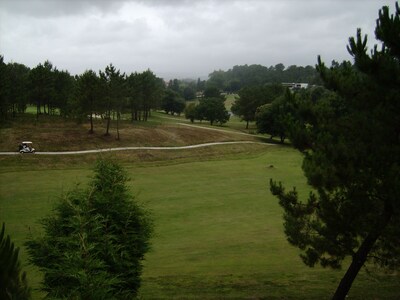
(295, 85)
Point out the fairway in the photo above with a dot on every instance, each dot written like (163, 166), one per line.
(218, 230)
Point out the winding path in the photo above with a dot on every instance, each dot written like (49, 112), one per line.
(156, 148)
(139, 148)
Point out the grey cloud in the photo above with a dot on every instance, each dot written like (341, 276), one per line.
(180, 36)
(56, 8)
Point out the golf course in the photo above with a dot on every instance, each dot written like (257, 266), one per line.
(218, 231)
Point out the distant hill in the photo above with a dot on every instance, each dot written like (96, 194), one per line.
(240, 76)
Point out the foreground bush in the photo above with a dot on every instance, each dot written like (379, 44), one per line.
(95, 240)
(13, 283)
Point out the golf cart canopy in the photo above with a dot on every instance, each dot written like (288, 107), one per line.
(26, 147)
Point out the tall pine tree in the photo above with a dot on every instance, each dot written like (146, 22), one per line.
(351, 146)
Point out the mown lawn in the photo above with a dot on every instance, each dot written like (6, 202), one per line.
(218, 231)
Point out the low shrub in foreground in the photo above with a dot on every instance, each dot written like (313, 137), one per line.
(95, 240)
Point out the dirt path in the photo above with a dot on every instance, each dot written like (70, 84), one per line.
(157, 148)
(179, 122)
(221, 130)
(138, 148)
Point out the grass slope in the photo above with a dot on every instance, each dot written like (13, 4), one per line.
(219, 232)
(50, 133)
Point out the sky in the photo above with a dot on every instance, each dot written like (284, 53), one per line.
(181, 38)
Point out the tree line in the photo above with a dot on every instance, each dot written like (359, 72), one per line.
(238, 77)
(106, 94)
(109, 92)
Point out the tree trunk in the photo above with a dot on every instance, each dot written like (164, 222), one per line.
(108, 123)
(135, 115)
(118, 117)
(360, 257)
(37, 110)
(91, 123)
(247, 124)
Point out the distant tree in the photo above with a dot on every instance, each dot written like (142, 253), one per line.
(115, 94)
(152, 89)
(172, 102)
(89, 92)
(13, 282)
(250, 75)
(94, 242)
(64, 89)
(213, 92)
(145, 92)
(201, 85)
(250, 98)
(272, 118)
(174, 85)
(301, 74)
(217, 79)
(233, 86)
(13, 89)
(213, 110)
(279, 67)
(189, 93)
(41, 86)
(4, 90)
(190, 112)
(167, 103)
(286, 113)
(135, 95)
(18, 88)
(350, 142)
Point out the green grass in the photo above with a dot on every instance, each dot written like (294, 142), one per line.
(32, 109)
(230, 99)
(218, 230)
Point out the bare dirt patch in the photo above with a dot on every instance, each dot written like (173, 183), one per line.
(55, 134)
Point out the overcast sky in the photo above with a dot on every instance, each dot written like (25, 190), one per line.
(181, 38)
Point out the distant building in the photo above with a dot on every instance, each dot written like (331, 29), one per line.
(199, 95)
(295, 85)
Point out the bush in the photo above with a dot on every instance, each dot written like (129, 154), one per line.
(94, 242)
(13, 283)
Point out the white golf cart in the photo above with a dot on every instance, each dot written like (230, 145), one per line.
(26, 147)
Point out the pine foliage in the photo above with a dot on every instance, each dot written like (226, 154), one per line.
(350, 138)
(13, 282)
(95, 241)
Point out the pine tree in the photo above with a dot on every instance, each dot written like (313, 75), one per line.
(94, 242)
(13, 282)
(351, 144)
